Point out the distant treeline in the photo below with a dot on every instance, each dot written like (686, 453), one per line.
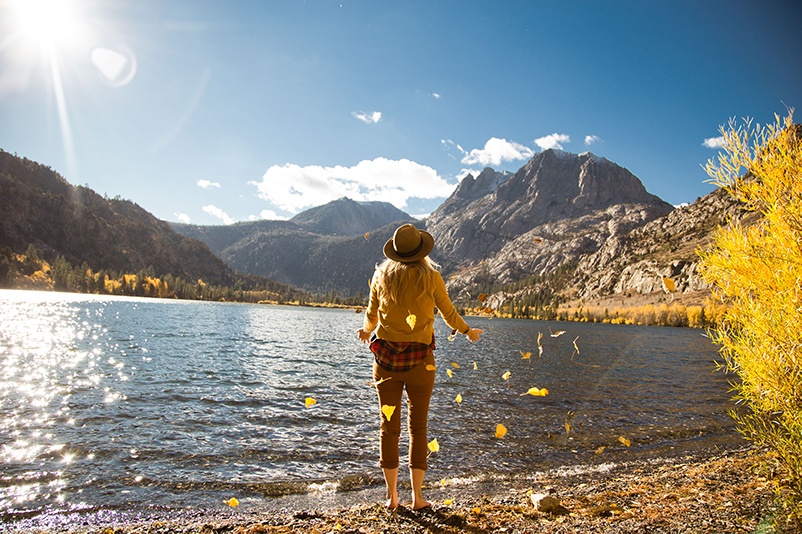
(32, 271)
(698, 316)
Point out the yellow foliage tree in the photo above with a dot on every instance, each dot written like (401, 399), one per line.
(756, 271)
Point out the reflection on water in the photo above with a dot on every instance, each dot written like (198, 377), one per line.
(129, 402)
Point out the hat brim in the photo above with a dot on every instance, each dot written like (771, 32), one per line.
(427, 244)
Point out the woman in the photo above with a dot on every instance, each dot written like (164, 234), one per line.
(404, 292)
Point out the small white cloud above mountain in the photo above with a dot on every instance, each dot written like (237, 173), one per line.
(554, 140)
(591, 139)
(218, 213)
(495, 152)
(182, 217)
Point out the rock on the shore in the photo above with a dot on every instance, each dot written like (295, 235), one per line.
(547, 504)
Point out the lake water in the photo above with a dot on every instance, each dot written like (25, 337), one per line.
(124, 403)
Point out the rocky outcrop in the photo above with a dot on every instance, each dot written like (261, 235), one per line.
(665, 247)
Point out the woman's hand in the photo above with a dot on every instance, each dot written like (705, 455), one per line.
(364, 335)
(473, 334)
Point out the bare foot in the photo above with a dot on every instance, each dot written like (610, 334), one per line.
(392, 503)
(419, 505)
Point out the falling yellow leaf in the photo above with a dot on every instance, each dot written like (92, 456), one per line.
(475, 367)
(669, 285)
(367, 235)
(558, 333)
(506, 376)
(388, 411)
(576, 348)
(455, 365)
(431, 367)
(233, 502)
(501, 431)
(525, 355)
(459, 398)
(449, 373)
(624, 441)
(310, 402)
(448, 502)
(434, 446)
(535, 392)
(411, 319)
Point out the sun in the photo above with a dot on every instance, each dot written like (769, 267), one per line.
(48, 25)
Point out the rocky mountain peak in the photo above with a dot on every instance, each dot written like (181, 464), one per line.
(348, 217)
(568, 193)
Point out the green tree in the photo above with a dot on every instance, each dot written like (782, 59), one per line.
(756, 270)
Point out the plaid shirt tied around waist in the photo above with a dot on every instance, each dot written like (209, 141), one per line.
(399, 356)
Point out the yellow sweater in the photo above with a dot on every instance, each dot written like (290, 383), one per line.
(391, 318)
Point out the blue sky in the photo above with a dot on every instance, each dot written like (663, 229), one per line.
(213, 112)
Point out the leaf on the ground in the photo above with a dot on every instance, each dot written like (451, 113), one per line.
(535, 392)
(624, 441)
(506, 376)
(233, 502)
(434, 446)
(458, 398)
(501, 431)
(310, 402)
(449, 373)
(525, 355)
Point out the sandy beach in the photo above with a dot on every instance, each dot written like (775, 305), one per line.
(713, 493)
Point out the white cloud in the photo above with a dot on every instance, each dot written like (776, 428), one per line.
(554, 140)
(590, 139)
(182, 217)
(293, 188)
(206, 184)
(216, 212)
(368, 118)
(496, 151)
(270, 215)
(714, 142)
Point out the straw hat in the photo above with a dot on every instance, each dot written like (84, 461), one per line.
(409, 244)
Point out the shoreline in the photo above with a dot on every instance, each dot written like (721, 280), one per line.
(711, 492)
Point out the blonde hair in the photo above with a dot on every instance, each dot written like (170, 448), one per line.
(393, 278)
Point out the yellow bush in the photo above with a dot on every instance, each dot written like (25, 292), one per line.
(757, 272)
